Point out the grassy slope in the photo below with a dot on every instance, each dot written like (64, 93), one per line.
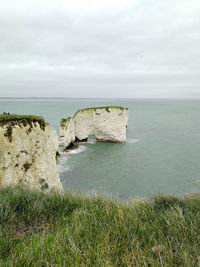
(52, 230)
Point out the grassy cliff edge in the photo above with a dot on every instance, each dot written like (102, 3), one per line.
(107, 108)
(38, 229)
(24, 119)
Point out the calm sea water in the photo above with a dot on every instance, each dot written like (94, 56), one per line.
(162, 154)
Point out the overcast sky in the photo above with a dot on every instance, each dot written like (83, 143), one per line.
(100, 48)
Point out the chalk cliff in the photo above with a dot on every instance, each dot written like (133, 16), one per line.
(28, 152)
(105, 123)
(67, 131)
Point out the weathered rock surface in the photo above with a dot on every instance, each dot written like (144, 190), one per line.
(105, 123)
(28, 154)
(67, 131)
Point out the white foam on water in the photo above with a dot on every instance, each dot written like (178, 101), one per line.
(92, 142)
(77, 151)
(132, 140)
(62, 163)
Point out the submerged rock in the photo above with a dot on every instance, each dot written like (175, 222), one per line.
(28, 149)
(72, 146)
(107, 124)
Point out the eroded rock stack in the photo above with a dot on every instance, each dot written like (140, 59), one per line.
(107, 124)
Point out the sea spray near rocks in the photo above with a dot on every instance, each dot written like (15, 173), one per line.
(133, 141)
(62, 163)
(81, 148)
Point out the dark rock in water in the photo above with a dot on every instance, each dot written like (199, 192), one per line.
(72, 146)
(82, 140)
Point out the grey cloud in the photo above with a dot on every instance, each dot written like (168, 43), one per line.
(147, 49)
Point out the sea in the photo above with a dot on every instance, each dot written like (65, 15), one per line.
(161, 156)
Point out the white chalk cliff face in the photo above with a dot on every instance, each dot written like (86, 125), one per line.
(67, 131)
(28, 154)
(107, 124)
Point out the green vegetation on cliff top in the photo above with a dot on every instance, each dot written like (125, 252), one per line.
(24, 119)
(38, 229)
(64, 121)
(95, 108)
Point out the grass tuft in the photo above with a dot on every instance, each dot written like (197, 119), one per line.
(64, 121)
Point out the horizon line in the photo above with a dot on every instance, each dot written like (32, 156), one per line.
(161, 98)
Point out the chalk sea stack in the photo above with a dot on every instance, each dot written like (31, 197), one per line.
(107, 124)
